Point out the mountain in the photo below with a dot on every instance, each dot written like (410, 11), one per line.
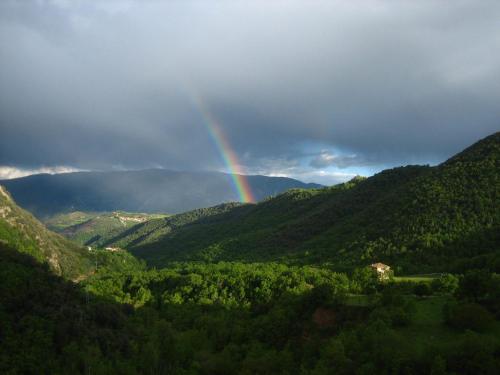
(417, 218)
(21, 231)
(154, 190)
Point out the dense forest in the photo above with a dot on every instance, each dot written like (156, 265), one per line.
(295, 293)
(244, 318)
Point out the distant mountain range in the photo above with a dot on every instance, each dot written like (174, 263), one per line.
(416, 218)
(150, 191)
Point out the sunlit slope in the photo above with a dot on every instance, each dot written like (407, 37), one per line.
(21, 231)
(92, 229)
(415, 217)
(152, 230)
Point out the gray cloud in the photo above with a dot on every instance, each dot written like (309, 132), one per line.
(326, 159)
(98, 85)
(7, 173)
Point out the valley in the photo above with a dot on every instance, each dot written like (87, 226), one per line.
(283, 285)
(249, 187)
(420, 219)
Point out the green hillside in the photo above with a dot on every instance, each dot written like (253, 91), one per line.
(20, 230)
(92, 229)
(153, 230)
(269, 317)
(418, 218)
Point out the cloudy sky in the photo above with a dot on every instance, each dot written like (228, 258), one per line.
(314, 90)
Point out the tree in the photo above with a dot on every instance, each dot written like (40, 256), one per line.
(446, 283)
(365, 280)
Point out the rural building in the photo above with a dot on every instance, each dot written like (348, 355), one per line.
(383, 270)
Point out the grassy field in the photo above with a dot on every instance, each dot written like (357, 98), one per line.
(426, 278)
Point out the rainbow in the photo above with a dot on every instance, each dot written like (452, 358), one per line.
(225, 150)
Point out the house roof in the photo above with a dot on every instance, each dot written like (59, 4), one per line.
(380, 265)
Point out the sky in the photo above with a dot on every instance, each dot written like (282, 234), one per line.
(315, 90)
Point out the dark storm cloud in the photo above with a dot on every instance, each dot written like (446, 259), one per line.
(99, 85)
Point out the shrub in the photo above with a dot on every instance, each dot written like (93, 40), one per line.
(446, 283)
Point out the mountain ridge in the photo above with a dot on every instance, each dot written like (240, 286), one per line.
(149, 191)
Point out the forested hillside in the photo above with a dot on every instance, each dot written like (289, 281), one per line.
(233, 318)
(417, 218)
(20, 230)
(154, 229)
